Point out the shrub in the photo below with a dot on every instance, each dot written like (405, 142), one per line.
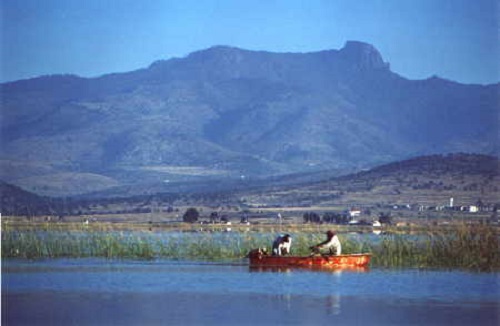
(191, 215)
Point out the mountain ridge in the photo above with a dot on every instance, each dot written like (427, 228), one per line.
(246, 112)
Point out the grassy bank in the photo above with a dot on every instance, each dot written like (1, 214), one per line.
(465, 247)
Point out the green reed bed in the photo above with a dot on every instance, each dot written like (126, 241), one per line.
(56, 244)
(33, 244)
(472, 248)
(466, 247)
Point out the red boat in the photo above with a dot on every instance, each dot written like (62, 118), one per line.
(259, 258)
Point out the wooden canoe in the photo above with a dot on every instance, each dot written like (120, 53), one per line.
(259, 258)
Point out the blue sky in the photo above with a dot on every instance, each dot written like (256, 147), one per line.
(454, 39)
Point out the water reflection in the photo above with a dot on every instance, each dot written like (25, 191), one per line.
(331, 302)
(287, 269)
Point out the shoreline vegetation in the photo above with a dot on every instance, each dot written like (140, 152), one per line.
(463, 246)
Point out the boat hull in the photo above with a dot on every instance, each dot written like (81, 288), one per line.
(257, 258)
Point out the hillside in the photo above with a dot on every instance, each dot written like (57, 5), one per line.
(421, 182)
(15, 201)
(224, 112)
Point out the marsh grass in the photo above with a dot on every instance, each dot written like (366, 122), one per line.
(466, 247)
(42, 244)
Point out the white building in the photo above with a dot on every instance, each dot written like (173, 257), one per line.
(354, 213)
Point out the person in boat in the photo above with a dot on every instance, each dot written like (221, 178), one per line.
(332, 244)
(282, 245)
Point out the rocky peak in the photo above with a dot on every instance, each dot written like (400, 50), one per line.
(362, 55)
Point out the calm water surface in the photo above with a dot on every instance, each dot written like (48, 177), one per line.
(103, 292)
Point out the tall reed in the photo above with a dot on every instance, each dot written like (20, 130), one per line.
(468, 247)
(41, 244)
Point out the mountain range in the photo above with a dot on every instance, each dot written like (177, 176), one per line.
(225, 113)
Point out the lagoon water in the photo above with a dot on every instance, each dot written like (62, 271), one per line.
(123, 292)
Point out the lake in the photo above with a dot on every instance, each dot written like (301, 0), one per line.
(162, 292)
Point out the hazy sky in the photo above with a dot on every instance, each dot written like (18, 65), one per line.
(454, 39)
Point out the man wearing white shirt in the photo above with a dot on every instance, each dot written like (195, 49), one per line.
(332, 243)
